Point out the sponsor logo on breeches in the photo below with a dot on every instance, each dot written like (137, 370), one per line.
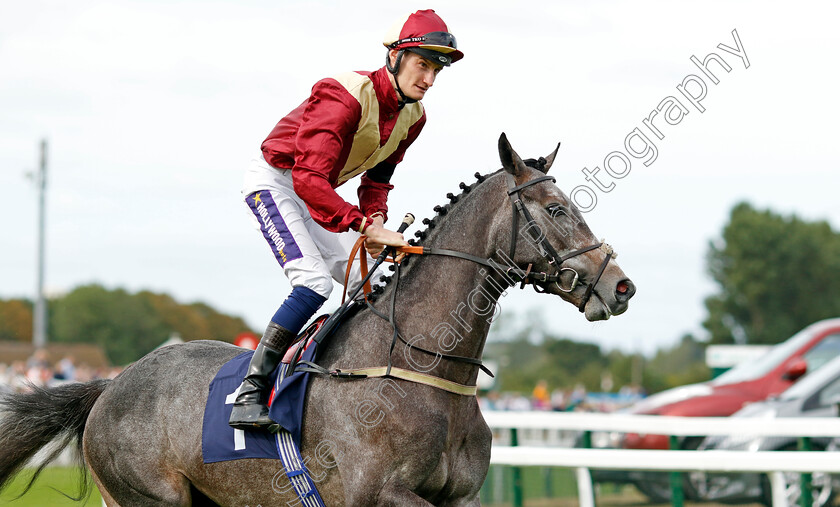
(283, 243)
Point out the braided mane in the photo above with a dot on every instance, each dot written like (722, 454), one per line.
(431, 223)
(440, 212)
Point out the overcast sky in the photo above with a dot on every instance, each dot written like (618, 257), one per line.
(153, 110)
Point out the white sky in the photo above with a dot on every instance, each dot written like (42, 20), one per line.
(153, 110)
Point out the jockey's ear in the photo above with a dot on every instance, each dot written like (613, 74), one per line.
(550, 159)
(510, 160)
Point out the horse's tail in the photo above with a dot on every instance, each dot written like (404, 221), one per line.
(30, 421)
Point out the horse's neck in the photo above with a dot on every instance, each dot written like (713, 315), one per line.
(446, 304)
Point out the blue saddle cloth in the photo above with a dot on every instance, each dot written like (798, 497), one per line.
(290, 396)
(220, 442)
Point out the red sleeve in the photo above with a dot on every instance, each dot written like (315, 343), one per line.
(330, 117)
(374, 188)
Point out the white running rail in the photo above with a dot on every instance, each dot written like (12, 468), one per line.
(773, 463)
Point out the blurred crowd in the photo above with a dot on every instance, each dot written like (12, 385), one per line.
(572, 399)
(37, 370)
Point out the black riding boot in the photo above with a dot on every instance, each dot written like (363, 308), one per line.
(250, 410)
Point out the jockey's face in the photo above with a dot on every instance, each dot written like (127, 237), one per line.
(416, 74)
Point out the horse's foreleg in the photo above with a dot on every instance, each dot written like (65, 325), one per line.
(474, 502)
(397, 495)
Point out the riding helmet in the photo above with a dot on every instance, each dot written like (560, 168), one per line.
(424, 33)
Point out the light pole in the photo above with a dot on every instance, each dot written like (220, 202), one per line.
(39, 337)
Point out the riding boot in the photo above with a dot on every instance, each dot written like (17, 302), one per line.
(250, 410)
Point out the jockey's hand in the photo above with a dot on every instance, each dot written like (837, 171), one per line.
(378, 237)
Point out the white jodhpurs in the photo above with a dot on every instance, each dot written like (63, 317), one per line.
(310, 255)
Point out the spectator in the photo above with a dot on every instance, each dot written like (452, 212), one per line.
(558, 400)
(66, 369)
(490, 401)
(17, 377)
(540, 399)
(20, 376)
(5, 377)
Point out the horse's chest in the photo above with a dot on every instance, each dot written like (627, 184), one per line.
(461, 468)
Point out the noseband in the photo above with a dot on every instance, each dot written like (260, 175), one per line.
(546, 249)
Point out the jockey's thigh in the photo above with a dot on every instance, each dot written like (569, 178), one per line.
(285, 223)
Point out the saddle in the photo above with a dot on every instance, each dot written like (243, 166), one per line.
(304, 339)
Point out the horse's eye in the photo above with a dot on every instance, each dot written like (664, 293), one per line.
(555, 210)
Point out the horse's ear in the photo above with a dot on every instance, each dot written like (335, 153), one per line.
(550, 159)
(510, 159)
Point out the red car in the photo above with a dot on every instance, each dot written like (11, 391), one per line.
(747, 382)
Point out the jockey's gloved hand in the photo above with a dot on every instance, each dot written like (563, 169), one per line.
(378, 237)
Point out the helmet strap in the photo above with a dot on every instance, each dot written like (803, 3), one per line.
(395, 70)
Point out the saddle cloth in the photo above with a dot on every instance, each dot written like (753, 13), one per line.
(220, 442)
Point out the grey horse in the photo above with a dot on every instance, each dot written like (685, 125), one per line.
(374, 441)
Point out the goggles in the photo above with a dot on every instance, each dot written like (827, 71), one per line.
(443, 39)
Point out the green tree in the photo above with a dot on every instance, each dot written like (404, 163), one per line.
(125, 326)
(777, 274)
(220, 326)
(15, 320)
(532, 355)
(128, 326)
(684, 363)
(627, 369)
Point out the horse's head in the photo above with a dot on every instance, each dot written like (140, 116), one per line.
(553, 240)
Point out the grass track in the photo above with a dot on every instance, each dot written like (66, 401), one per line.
(44, 494)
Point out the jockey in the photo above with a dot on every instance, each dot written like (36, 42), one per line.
(357, 123)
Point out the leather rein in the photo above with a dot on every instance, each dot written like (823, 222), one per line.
(524, 276)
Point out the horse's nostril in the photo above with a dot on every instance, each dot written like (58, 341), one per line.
(624, 290)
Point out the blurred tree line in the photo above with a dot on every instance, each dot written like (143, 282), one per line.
(529, 353)
(127, 326)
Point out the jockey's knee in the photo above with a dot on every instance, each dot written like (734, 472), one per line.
(310, 275)
(321, 284)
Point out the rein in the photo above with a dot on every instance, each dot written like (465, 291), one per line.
(524, 276)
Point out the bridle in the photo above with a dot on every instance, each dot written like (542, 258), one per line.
(513, 274)
(517, 274)
(554, 259)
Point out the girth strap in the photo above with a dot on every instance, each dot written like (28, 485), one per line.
(460, 359)
(393, 371)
